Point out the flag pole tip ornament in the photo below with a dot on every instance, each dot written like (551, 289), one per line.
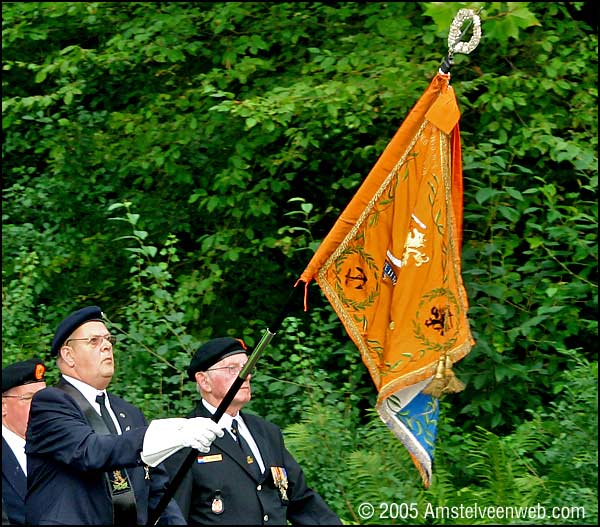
(456, 44)
(391, 266)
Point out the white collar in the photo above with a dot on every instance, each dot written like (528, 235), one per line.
(89, 392)
(226, 420)
(17, 445)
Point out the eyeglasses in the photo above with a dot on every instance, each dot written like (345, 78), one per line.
(96, 340)
(232, 369)
(26, 397)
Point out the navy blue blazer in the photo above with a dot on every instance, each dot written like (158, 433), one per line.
(220, 489)
(14, 486)
(67, 461)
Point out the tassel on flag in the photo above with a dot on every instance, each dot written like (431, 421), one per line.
(391, 269)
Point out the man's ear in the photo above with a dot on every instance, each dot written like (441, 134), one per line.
(203, 381)
(66, 354)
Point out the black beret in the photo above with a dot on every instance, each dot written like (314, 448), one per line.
(72, 322)
(24, 372)
(212, 352)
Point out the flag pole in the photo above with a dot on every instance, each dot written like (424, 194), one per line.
(269, 333)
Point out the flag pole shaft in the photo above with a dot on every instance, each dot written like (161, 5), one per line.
(154, 516)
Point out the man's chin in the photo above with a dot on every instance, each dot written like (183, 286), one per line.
(108, 372)
(244, 396)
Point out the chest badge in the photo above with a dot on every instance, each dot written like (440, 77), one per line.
(217, 506)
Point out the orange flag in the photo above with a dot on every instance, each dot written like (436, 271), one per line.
(391, 269)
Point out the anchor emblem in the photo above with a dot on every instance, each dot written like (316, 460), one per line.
(360, 277)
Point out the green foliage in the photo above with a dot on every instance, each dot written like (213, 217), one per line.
(295, 374)
(152, 335)
(546, 471)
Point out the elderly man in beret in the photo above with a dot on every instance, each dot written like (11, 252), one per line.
(92, 458)
(248, 477)
(20, 381)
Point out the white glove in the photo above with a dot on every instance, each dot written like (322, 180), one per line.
(164, 437)
(200, 432)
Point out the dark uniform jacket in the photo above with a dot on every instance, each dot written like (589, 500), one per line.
(220, 489)
(67, 460)
(14, 486)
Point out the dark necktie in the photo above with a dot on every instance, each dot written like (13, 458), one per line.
(245, 448)
(105, 415)
(124, 504)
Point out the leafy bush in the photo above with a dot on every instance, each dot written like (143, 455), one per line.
(548, 465)
(172, 164)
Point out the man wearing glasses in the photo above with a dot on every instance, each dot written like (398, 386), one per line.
(20, 381)
(248, 477)
(89, 452)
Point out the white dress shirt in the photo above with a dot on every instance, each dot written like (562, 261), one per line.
(17, 445)
(90, 393)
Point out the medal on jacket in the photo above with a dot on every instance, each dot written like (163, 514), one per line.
(217, 504)
(279, 475)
